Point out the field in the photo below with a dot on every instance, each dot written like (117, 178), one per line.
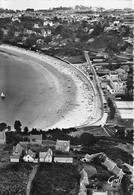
(14, 178)
(56, 179)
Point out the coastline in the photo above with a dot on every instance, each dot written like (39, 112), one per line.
(83, 107)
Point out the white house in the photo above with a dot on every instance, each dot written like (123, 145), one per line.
(46, 156)
(30, 156)
(63, 159)
(63, 145)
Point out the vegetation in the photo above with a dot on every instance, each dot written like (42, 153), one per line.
(56, 179)
(14, 178)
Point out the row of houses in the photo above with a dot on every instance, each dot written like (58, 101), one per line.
(20, 152)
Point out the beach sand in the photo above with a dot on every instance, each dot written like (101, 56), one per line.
(44, 92)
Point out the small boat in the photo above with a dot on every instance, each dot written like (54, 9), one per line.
(2, 95)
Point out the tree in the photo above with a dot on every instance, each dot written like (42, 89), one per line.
(87, 139)
(1, 35)
(3, 126)
(26, 130)
(17, 126)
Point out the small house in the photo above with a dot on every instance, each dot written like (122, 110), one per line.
(61, 159)
(30, 156)
(62, 145)
(14, 158)
(36, 139)
(17, 150)
(2, 137)
(46, 156)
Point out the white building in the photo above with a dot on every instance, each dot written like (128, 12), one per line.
(46, 156)
(14, 158)
(63, 159)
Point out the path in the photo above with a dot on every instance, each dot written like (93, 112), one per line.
(35, 168)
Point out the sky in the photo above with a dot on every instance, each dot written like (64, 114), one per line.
(45, 4)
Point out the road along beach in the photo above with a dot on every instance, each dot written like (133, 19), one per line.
(44, 92)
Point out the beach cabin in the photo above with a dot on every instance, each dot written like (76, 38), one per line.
(14, 158)
(62, 145)
(35, 139)
(2, 137)
(46, 156)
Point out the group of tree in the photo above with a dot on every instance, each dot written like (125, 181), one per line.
(112, 109)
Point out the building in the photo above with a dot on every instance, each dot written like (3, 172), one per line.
(30, 156)
(62, 145)
(17, 150)
(14, 158)
(36, 139)
(46, 156)
(2, 137)
(61, 159)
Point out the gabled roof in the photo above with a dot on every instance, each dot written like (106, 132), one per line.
(18, 149)
(44, 154)
(31, 153)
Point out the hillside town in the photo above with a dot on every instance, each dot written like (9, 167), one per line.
(84, 160)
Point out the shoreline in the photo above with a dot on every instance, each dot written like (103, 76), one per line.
(85, 99)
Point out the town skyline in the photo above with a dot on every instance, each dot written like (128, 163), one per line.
(46, 4)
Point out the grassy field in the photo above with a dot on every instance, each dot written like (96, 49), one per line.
(14, 178)
(56, 179)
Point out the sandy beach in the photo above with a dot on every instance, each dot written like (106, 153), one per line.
(44, 92)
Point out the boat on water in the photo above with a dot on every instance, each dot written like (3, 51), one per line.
(2, 95)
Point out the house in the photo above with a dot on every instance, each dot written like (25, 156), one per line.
(46, 156)
(62, 145)
(2, 137)
(109, 164)
(64, 159)
(36, 139)
(14, 158)
(30, 156)
(17, 150)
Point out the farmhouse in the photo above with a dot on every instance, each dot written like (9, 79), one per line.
(36, 139)
(46, 156)
(62, 145)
